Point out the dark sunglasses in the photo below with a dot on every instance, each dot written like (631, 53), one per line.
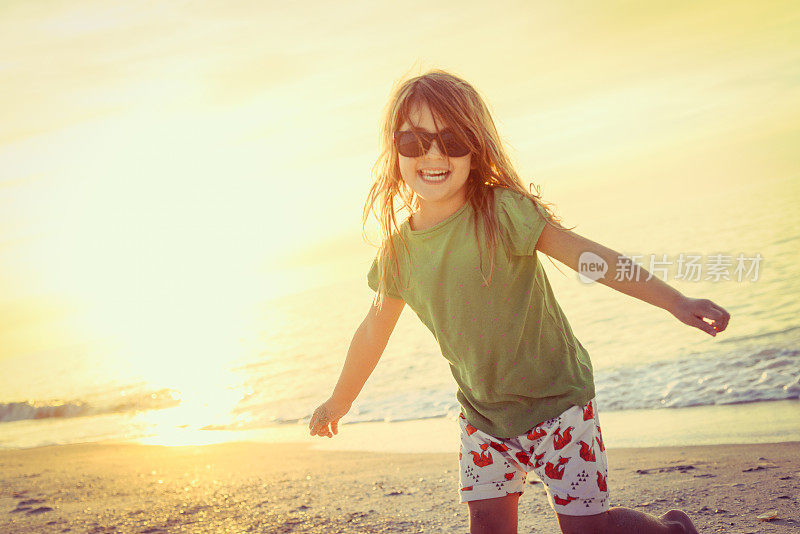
(413, 144)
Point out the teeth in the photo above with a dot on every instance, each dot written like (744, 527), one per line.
(435, 177)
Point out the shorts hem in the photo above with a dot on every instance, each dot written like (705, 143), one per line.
(580, 509)
(489, 491)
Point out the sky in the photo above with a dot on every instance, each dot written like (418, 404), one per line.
(165, 167)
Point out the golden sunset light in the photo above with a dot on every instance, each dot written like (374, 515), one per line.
(187, 284)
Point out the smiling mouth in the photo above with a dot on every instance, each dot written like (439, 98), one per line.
(434, 178)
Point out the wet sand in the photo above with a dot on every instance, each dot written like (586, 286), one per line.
(264, 487)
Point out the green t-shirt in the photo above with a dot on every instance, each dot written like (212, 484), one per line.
(510, 347)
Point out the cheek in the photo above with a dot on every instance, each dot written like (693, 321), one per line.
(464, 167)
(408, 174)
(407, 169)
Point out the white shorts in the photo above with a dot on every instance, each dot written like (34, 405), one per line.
(566, 452)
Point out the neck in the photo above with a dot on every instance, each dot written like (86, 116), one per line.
(432, 213)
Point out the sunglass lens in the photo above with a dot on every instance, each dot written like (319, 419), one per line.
(412, 145)
(453, 146)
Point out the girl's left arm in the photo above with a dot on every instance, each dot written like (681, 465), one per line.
(567, 246)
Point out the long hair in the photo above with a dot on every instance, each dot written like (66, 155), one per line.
(457, 103)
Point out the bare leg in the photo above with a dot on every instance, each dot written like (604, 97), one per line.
(623, 520)
(494, 516)
(627, 520)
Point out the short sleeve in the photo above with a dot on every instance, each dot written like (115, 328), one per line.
(373, 278)
(522, 219)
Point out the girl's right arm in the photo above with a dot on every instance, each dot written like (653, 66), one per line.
(366, 349)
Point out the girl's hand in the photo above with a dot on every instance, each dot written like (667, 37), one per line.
(329, 412)
(694, 312)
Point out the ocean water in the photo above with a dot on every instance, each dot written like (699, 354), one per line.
(645, 360)
(138, 184)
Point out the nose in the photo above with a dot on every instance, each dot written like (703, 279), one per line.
(435, 150)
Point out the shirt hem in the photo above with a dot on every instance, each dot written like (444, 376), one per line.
(550, 412)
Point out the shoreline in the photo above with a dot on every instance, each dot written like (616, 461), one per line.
(762, 422)
(292, 487)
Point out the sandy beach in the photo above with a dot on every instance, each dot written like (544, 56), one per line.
(264, 487)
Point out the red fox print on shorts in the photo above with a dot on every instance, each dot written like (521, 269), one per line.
(565, 452)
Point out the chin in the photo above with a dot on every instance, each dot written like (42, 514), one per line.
(436, 191)
(429, 193)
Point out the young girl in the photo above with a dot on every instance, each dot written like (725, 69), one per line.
(465, 261)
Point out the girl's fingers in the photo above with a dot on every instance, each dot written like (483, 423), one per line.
(698, 322)
(316, 424)
(725, 318)
(319, 423)
(320, 431)
(715, 314)
(707, 328)
(719, 316)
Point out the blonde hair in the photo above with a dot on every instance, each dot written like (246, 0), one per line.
(456, 102)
